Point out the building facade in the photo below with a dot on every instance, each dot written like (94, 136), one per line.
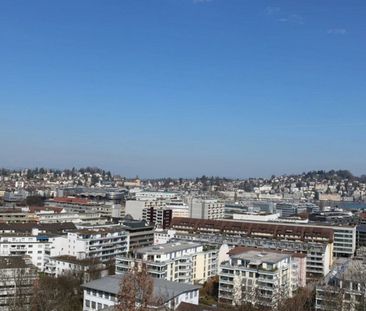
(259, 277)
(184, 262)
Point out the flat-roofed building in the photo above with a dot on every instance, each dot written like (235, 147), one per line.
(17, 277)
(103, 243)
(102, 293)
(140, 234)
(316, 243)
(206, 208)
(344, 289)
(89, 268)
(260, 277)
(185, 262)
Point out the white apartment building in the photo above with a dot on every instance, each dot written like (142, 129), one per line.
(103, 243)
(162, 236)
(178, 207)
(93, 218)
(153, 195)
(87, 268)
(259, 277)
(102, 293)
(206, 208)
(184, 262)
(38, 248)
(135, 207)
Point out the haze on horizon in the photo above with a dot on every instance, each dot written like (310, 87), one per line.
(183, 88)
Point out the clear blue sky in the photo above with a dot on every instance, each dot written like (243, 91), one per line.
(234, 88)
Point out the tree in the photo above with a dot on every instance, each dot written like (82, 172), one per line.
(136, 290)
(62, 294)
(17, 284)
(35, 200)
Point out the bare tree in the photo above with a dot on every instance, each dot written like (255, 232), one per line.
(16, 282)
(62, 294)
(136, 290)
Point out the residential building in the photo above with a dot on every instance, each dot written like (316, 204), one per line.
(153, 195)
(102, 243)
(316, 243)
(102, 293)
(206, 208)
(135, 208)
(17, 276)
(184, 262)
(89, 268)
(344, 289)
(160, 217)
(178, 207)
(140, 234)
(260, 277)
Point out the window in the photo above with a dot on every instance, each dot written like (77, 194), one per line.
(87, 303)
(93, 305)
(100, 306)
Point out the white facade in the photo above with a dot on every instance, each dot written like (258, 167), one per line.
(104, 244)
(26, 245)
(93, 218)
(184, 262)
(163, 236)
(206, 208)
(153, 195)
(102, 293)
(259, 278)
(256, 216)
(135, 207)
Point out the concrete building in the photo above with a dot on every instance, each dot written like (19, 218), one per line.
(102, 293)
(316, 243)
(35, 241)
(160, 217)
(89, 269)
(17, 276)
(178, 207)
(260, 277)
(87, 217)
(16, 215)
(102, 243)
(256, 216)
(344, 289)
(135, 208)
(344, 235)
(206, 208)
(154, 195)
(361, 235)
(140, 234)
(184, 262)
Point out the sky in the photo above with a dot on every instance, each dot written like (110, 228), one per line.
(182, 88)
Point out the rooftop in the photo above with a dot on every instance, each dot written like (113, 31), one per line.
(259, 257)
(74, 260)
(167, 248)
(162, 288)
(15, 262)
